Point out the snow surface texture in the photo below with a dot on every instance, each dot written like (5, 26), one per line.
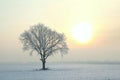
(66, 71)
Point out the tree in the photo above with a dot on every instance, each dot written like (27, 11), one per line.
(46, 42)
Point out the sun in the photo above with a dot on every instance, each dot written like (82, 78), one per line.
(82, 32)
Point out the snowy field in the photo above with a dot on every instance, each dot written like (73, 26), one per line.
(60, 71)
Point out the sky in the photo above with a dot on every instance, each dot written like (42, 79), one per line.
(61, 15)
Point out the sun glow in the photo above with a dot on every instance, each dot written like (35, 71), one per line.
(82, 32)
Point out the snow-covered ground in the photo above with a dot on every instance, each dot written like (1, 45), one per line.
(60, 71)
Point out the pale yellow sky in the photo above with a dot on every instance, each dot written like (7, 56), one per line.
(61, 15)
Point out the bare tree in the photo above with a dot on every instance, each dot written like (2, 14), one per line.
(44, 41)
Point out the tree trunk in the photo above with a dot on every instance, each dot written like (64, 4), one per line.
(43, 65)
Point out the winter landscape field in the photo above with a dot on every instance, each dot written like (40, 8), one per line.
(60, 71)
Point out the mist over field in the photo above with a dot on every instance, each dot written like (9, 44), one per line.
(60, 71)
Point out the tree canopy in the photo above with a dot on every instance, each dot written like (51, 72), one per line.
(44, 41)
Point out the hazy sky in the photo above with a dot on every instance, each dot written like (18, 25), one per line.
(61, 15)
